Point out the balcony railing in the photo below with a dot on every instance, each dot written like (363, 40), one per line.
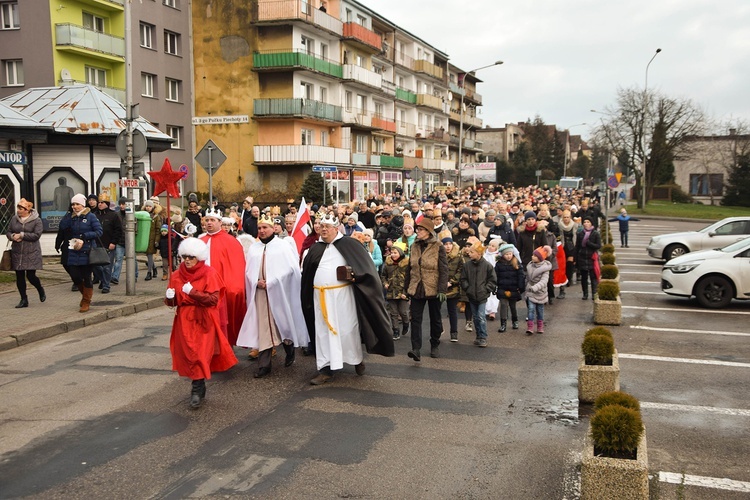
(357, 116)
(384, 123)
(455, 89)
(406, 95)
(404, 128)
(389, 88)
(286, 10)
(469, 143)
(362, 75)
(404, 60)
(429, 100)
(112, 5)
(474, 96)
(428, 68)
(473, 121)
(296, 107)
(387, 161)
(78, 36)
(358, 32)
(286, 59)
(295, 153)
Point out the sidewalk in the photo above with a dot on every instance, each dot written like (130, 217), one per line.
(59, 313)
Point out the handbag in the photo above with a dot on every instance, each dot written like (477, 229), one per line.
(98, 256)
(5, 262)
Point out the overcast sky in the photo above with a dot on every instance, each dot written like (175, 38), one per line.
(564, 58)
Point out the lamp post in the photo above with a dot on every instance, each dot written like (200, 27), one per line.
(643, 131)
(461, 117)
(567, 148)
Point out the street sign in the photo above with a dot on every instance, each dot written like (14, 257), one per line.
(323, 168)
(220, 120)
(210, 157)
(139, 169)
(613, 182)
(140, 145)
(184, 170)
(131, 183)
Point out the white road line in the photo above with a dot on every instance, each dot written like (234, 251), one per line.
(652, 282)
(658, 273)
(676, 309)
(682, 330)
(719, 483)
(644, 293)
(732, 412)
(667, 359)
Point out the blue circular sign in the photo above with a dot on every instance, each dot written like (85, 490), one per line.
(184, 170)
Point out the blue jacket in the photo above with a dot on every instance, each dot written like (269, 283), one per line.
(624, 221)
(85, 227)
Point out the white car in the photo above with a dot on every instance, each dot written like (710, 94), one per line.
(717, 235)
(714, 277)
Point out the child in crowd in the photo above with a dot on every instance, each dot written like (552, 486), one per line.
(491, 255)
(164, 251)
(537, 276)
(624, 225)
(479, 281)
(393, 279)
(511, 283)
(455, 267)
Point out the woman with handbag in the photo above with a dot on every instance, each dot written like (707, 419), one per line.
(24, 231)
(84, 228)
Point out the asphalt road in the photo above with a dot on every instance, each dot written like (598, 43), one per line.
(97, 413)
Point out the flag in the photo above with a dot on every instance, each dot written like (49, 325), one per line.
(301, 225)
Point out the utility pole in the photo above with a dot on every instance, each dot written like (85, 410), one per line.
(129, 118)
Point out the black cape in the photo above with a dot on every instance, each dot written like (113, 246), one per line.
(374, 322)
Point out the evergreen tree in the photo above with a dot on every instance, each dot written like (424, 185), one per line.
(312, 189)
(738, 185)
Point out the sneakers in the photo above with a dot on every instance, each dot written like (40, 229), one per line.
(503, 326)
(482, 343)
(114, 282)
(469, 326)
(414, 354)
(434, 352)
(454, 336)
(396, 335)
(515, 325)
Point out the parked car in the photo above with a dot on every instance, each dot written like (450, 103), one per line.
(714, 277)
(717, 235)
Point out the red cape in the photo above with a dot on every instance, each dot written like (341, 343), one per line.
(560, 278)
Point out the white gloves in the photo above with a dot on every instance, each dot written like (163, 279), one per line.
(170, 293)
(187, 287)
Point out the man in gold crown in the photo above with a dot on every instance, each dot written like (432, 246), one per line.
(343, 303)
(228, 258)
(274, 312)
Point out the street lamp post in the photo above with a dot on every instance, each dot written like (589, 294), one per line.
(643, 132)
(461, 118)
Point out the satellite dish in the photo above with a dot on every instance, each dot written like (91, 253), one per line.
(65, 75)
(450, 95)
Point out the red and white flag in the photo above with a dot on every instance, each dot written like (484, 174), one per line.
(301, 225)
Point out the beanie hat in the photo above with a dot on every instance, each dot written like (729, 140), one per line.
(92, 196)
(588, 218)
(541, 253)
(529, 215)
(369, 232)
(122, 201)
(447, 239)
(148, 203)
(155, 199)
(399, 250)
(354, 216)
(176, 218)
(505, 248)
(164, 227)
(79, 198)
(427, 224)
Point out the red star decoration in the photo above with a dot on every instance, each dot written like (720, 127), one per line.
(166, 180)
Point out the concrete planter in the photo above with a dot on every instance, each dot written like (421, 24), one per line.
(595, 380)
(607, 478)
(607, 312)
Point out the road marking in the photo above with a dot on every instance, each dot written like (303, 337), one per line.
(645, 293)
(657, 273)
(732, 412)
(680, 330)
(648, 357)
(634, 265)
(676, 309)
(651, 282)
(719, 483)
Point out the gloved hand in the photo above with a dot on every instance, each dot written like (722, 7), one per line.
(187, 287)
(507, 293)
(441, 297)
(170, 293)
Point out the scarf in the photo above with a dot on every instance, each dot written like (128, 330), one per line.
(567, 227)
(530, 229)
(198, 271)
(586, 235)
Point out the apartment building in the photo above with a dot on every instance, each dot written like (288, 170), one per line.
(324, 83)
(64, 42)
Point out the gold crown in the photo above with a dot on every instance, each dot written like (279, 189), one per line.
(265, 219)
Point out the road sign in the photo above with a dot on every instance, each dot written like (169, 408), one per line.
(210, 151)
(613, 182)
(220, 120)
(184, 170)
(140, 145)
(323, 168)
(131, 183)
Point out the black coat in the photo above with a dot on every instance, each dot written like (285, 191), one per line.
(584, 253)
(509, 279)
(374, 322)
(112, 228)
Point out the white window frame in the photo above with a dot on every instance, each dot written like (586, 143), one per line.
(171, 3)
(324, 51)
(173, 89)
(362, 20)
(362, 103)
(308, 90)
(147, 35)
(13, 69)
(93, 22)
(9, 16)
(379, 109)
(148, 85)
(309, 44)
(171, 43)
(348, 100)
(323, 94)
(360, 143)
(324, 138)
(378, 145)
(95, 75)
(175, 132)
(307, 136)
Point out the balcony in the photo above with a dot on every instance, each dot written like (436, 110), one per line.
(111, 5)
(430, 101)
(279, 12)
(384, 123)
(407, 129)
(284, 60)
(429, 163)
(70, 37)
(299, 108)
(457, 91)
(389, 88)
(428, 68)
(473, 121)
(403, 60)
(363, 37)
(406, 95)
(361, 75)
(295, 153)
(473, 96)
(472, 144)
(357, 117)
(387, 161)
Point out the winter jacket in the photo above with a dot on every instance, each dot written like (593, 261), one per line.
(427, 274)
(394, 275)
(85, 227)
(624, 222)
(155, 234)
(455, 266)
(528, 241)
(509, 279)
(502, 230)
(376, 254)
(478, 279)
(460, 237)
(537, 275)
(584, 254)
(62, 239)
(569, 236)
(112, 228)
(26, 255)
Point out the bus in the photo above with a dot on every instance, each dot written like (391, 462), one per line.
(571, 182)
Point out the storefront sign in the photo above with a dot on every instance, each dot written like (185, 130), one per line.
(15, 157)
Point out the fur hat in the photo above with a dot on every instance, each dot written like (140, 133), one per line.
(79, 198)
(194, 247)
(426, 223)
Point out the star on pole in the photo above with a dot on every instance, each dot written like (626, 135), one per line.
(166, 179)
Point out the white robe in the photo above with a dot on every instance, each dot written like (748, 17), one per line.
(346, 345)
(492, 301)
(283, 282)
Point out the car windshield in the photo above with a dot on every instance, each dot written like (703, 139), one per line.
(736, 246)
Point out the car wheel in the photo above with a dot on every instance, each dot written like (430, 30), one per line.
(675, 250)
(714, 292)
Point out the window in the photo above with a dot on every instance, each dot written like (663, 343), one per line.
(379, 144)
(173, 89)
(348, 15)
(324, 138)
(379, 109)
(13, 73)
(309, 45)
(360, 61)
(348, 101)
(323, 94)
(171, 3)
(148, 85)
(175, 133)
(307, 90)
(706, 184)
(307, 136)
(9, 16)
(147, 36)
(93, 22)
(323, 51)
(360, 143)
(96, 76)
(361, 102)
(171, 43)
(361, 20)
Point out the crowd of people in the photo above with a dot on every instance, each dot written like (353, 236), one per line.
(357, 281)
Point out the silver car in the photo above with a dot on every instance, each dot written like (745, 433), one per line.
(717, 235)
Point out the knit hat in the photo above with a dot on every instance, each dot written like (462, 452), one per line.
(541, 253)
(587, 218)
(155, 199)
(447, 239)
(176, 218)
(427, 224)
(164, 228)
(505, 248)
(529, 215)
(369, 232)
(399, 250)
(92, 196)
(122, 201)
(148, 203)
(79, 198)
(354, 216)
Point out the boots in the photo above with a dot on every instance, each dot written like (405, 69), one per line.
(593, 290)
(539, 326)
(80, 290)
(585, 288)
(290, 354)
(86, 300)
(515, 324)
(561, 295)
(197, 393)
(148, 275)
(529, 327)
(405, 331)
(24, 303)
(396, 334)
(503, 325)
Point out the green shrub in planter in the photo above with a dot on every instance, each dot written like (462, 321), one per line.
(598, 349)
(608, 248)
(616, 431)
(617, 398)
(609, 271)
(599, 330)
(608, 290)
(607, 258)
